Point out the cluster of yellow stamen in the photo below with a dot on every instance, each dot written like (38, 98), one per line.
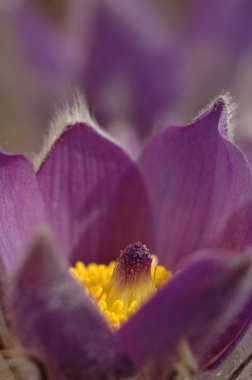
(118, 297)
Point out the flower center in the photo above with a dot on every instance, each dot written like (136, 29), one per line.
(121, 287)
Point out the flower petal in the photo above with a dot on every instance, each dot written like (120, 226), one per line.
(141, 68)
(246, 147)
(39, 38)
(197, 181)
(21, 207)
(230, 336)
(58, 322)
(78, 180)
(125, 219)
(236, 364)
(196, 305)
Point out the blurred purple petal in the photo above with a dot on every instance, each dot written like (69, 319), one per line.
(58, 321)
(197, 181)
(132, 65)
(215, 38)
(123, 55)
(41, 39)
(30, 90)
(229, 27)
(198, 305)
(78, 180)
(21, 208)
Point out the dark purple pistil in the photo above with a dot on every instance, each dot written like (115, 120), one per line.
(133, 261)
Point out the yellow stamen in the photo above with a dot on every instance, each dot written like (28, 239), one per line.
(116, 297)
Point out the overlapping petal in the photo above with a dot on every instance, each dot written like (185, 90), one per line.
(21, 208)
(198, 183)
(247, 150)
(58, 321)
(79, 181)
(197, 305)
(124, 219)
(97, 202)
(230, 337)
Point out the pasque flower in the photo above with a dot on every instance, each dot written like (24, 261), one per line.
(137, 64)
(117, 35)
(187, 197)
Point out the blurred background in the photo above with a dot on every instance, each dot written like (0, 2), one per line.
(142, 65)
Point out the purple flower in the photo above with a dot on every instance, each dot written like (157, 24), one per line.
(187, 196)
(137, 64)
(122, 56)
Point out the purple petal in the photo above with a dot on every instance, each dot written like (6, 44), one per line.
(230, 336)
(78, 181)
(231, 30)
(198, 183)
(40, 39)
(126, 219)
(58, 322)
(140, 76)
(197, 305)
(237, 365)
(246, 147)
(21, 208)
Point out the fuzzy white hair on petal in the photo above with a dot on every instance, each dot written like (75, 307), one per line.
(231, 109)
(65, 116)
(227, 130)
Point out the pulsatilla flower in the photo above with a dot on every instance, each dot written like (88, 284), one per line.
(151, 274)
